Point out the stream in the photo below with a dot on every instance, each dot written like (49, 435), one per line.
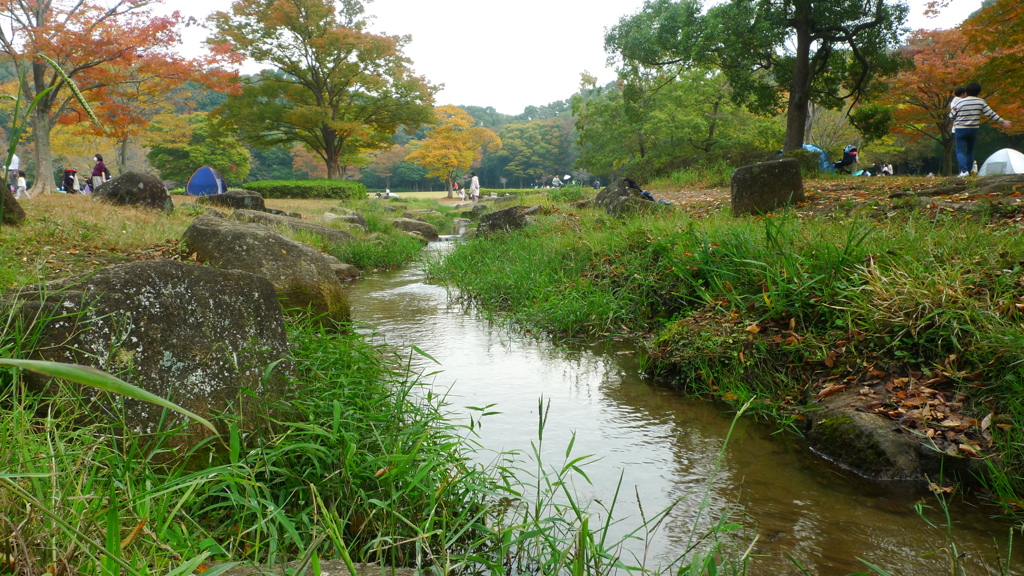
(664, 447)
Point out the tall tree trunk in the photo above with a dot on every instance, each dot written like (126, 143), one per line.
(800, 87)
(809, 127)
(948, 156)
(41, 126)
(121, 154)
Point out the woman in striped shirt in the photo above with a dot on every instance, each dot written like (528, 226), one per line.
(966, 116)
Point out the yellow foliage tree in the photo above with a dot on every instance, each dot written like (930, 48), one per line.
(452, 145)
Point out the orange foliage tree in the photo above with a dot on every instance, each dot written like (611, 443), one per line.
(102, 47)
(133, 90)
(452, 145)
(998, 31)
(920, 95)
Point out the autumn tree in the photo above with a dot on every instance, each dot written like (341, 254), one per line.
(181, 144)
(920, 96)
(452, 145)
(137, 89)
(94, 43)
(793, 51)
(997, 30)
(335, 88)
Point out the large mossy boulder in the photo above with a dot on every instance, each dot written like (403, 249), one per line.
(14, 214)
(347, 217)
(506, 220)
(306, 279)
(136, 189)
(874, 446)
(623, 197)
(236, 200)
(328, 234)
(198, 336)
(761, 188)
(426, 230)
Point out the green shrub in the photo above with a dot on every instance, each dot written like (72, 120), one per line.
(570, 193)
(340, 189)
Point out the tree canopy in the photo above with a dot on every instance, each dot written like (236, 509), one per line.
(102, 47)
(179, 145)
(792, 51)
(335, 88)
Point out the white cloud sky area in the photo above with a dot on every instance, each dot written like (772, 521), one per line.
(512, 55)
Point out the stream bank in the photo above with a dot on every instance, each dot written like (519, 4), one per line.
(662, 445)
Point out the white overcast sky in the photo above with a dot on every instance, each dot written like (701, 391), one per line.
(510, 55)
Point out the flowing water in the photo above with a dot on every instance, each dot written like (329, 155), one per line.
(664, 447)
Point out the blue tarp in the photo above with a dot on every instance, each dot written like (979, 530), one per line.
(204, 182)
(825, 164)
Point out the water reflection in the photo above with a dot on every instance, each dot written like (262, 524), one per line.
(663, 446)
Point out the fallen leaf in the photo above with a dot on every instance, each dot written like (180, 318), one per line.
(969, 450)
(753, 328)
(831, 390)
(987, 421)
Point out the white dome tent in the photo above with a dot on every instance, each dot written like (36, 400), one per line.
(1005, 161)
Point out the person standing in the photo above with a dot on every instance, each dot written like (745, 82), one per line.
(98, 172)
(22, 186)
(474, 187)
(966, 120)
(12, 171)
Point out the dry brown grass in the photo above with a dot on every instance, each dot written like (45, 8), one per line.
(69, 234)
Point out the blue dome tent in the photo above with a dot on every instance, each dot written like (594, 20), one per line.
(204, 182)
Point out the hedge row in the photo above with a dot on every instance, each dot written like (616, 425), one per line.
(338, 189)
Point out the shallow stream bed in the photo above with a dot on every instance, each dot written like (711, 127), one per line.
(664, 446)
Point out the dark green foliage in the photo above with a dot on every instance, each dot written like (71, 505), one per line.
(339, 189)
(273, 163)
(873, 121)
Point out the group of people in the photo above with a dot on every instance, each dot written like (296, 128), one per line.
(474, 188)
(966, 109)
(69, 184)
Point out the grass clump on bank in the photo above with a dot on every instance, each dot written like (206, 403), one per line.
(360, 464)
(777, 307)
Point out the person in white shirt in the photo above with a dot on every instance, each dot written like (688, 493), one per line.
(474, 187)
(22, 187)
(12, 171)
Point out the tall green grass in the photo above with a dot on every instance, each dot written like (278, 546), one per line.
(744, 308)
(361, 464)
(713, 175)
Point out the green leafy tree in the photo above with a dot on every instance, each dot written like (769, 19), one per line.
(271, 164)
(793, 51)
(335, 88)
(535, 150)
(668, 124)
(179, 145)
